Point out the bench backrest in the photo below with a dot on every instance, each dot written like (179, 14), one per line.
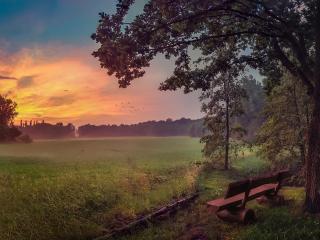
(283, 174)
(245, 186)
(236, 188)
(258, 181)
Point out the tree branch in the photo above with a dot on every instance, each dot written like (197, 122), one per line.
(292, 67)
(226, 35)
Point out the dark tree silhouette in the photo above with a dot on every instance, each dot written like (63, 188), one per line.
(8, 132)
(266, 33)
(181, 127)
(48, 131)
(7, 111)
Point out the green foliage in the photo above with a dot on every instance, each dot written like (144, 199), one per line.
(222, 104)
(272, 30)
(283, 134)
(252, 117)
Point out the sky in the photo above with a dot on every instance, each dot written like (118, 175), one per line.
(47, 68)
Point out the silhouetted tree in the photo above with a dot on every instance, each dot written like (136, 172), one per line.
(181, 127)
(49, 131)
(7, 111)
(8, 132)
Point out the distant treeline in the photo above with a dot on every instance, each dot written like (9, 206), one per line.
(251, 121)
(47, 131)
(181, 127)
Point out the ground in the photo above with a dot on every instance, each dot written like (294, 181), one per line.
(79, 189)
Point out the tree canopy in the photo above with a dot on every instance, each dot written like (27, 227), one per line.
(262, 34)
(283, 134)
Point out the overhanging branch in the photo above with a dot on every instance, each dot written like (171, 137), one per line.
(294, 70)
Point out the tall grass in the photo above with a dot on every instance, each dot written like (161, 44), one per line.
(75, 189)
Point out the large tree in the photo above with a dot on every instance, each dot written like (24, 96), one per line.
(267, 34)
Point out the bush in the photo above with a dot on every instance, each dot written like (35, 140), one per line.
(24, 138)
(8, 134)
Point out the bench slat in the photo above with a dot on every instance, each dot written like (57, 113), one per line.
(262, 190)
(240, 192)
(224, 203)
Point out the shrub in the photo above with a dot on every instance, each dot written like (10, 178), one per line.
(24, 138)
(8, 134)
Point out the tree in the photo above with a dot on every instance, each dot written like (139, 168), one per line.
(8, 132)
(283, 134)
(252, 117)
(7, 111)
(267, 34)
(221, 103)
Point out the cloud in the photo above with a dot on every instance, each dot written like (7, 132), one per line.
(64, 83)
(7, 78)
(26, 81)
(30, 99)
(57, 101)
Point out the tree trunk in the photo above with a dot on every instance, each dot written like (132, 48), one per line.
(299, 120)
(226, 156)
(312, 201)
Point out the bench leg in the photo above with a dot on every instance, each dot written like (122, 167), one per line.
(243, 215)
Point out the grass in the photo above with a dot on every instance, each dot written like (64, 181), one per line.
(74, 189)
(282, 223)
(78, 189)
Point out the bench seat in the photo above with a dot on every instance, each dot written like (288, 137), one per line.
(225, 203)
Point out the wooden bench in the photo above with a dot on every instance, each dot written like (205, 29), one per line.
(232, 206)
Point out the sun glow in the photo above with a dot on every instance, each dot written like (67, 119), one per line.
(48, 89)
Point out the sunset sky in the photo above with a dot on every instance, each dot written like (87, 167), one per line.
(47, 68)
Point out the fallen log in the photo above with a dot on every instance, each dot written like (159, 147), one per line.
(145, 220)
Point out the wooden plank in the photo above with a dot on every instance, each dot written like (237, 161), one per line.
(259, 181)
(284, 174)
(225, 203)
(236, 188)
(262, 190)
(143, 221)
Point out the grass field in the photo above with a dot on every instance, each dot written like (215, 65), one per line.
(71, 189)
(78, 189)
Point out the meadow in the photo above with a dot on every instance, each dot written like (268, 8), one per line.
(80, 189)
(73, 189)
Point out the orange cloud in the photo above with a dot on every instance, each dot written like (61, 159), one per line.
(60, 83)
